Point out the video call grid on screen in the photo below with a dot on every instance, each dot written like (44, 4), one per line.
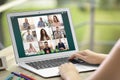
(43, 34)
(39, 34)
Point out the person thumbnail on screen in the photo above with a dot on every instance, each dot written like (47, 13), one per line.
(47, 49)
(26, 24)
(29, 37)
(61, 45)
(41, 23)
(56, 21)
(59, 33)
(50, 20)
(44, 35)
(31, 49)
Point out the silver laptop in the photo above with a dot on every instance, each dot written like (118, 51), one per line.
(43, 40)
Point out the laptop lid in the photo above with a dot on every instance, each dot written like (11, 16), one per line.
(42, 34)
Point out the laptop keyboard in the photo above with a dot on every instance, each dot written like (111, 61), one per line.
(52, 63)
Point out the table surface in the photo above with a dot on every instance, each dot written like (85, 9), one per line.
(13, 67)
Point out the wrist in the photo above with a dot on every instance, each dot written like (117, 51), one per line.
(73, 76)
(101, 58)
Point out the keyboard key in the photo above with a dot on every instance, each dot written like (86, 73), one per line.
(52, 63)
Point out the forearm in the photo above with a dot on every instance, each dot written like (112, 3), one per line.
(69, 72)
(101, 58)
(110, 68)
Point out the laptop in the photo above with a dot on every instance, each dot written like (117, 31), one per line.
(43, 40)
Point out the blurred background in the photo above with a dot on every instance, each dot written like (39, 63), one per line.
(96, 22)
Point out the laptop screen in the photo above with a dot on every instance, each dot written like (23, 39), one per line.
(42, 34)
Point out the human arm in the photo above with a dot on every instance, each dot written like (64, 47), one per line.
(68, 71)
(89, 56)
(110, 68)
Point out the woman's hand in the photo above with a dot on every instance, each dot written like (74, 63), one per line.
(89, 56)
(69, 72)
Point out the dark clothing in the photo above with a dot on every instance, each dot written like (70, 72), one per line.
(47, 50)
(61, 45)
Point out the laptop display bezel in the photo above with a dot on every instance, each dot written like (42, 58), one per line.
(40, 57)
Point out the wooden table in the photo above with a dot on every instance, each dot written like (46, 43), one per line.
(12, 66)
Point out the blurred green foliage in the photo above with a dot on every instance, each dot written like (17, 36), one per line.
(80, 15)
